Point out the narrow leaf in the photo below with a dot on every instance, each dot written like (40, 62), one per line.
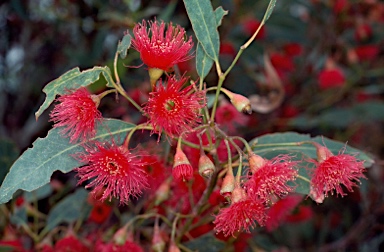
(68, 210)
(219, 14)
(124, 45)
(203, 62)
(35, 166)
(271, 6)
(73, 79)
(203, 21)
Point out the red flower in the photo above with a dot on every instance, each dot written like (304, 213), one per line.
(116, 172)
(333, 171)
(70, 244)
(241, 215)
(331, 78)
(164, 48)
(280, 210)
(100, 212)
(228, 117)
(282, 63)
(270, 178)
(77, 113)
(174, 109)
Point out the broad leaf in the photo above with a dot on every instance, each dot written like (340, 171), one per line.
(68, 210)
(203, 21)
(272, 145)
(73, 79)
(35, 166)
(123, 46)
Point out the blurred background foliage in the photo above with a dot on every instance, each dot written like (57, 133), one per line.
(328, 55)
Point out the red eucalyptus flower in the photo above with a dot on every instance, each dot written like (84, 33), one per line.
(270, 177)
(115, 171)
(162, 49)
(330, 78)
(77, 113)
(70, 244)
(174, 109)
(241, 215)
(333, 171)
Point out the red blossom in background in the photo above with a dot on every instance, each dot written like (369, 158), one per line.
(279, 211)
(70, 244)
(334, 171)
(77, 113)
(330, 78)
(228, 117)
(162, 49)
(243, 214)
(271, 178)
(113, 247)
(172, 108)
(115, 171)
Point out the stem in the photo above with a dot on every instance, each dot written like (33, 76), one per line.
(249, 150)
(106, 93)
(119, 88)
(140, 126)
(303, 178)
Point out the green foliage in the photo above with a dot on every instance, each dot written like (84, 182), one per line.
(203, 20)
(68, 210)
(272, 145)
(124, 45)
(73, 79)
(35, 166)
(203, 62)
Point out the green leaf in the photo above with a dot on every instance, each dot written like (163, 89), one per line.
(202, 241)
(271, 6)
(19, 217)
(35, 166)
(124, 45)
(219, 14)
(39, 193)
(203, 62)
(203, 21)
(272, 145)
(68, 210)
(73, 79)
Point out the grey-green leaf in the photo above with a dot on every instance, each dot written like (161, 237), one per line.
(203, 21)
(203, 62)
(73, 79)
(124, 45)
(68, 210)
(271, 144)
(271, 6)
(219, 14)
(34, 167)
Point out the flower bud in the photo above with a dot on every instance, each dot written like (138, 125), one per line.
(173, 247)
(238, 194)
(323, 153)
(255, 162)
(154, 75)
(158, 243)
(316, 195)
(206, 166)
(182, 168)
(240, 102)
(228, 184)
(162, 192)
